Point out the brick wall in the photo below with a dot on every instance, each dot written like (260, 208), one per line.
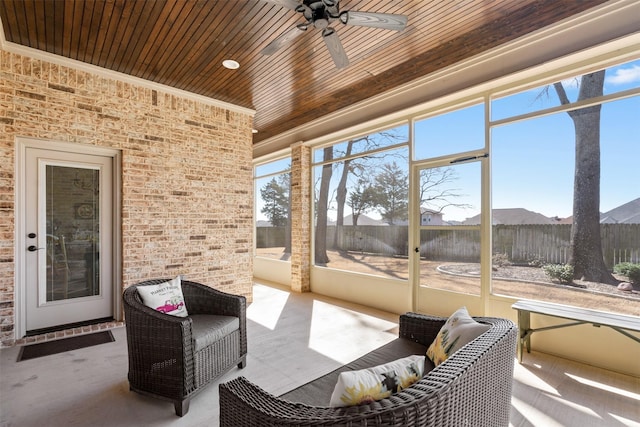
(187, 190)
(300, 218)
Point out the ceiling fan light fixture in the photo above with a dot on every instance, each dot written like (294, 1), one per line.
(230, 64)
(321, 24)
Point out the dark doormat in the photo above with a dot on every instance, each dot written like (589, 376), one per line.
(66, 344)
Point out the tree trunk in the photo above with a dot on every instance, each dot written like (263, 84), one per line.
(586, 243)
(341, 194)
(321, 210)
(341, 200)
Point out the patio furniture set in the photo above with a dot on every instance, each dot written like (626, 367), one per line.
(463, 381)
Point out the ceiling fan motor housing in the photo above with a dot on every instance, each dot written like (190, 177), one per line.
(319, 13)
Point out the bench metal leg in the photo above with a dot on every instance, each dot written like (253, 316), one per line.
(524, 337)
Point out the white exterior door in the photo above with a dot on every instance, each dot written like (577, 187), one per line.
(68, 245)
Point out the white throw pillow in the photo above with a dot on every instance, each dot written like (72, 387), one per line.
(458, 330)
(366, 385)
(165, 297)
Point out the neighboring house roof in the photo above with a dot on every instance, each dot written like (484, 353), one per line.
(429, 211)
(629, 213)
(513, 216)
(363, 220)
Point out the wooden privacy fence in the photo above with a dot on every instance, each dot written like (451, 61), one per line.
(545, 243)
(374, 239)
(550, 243)
(450, 245)
(270, 237)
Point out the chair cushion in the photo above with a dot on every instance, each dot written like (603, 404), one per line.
(209, 328)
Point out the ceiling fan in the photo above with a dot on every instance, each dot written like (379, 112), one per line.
(320, 14)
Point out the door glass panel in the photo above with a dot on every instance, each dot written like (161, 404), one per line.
(73, 237)
(450, 227)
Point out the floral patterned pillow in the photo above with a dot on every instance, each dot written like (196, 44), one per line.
(165, 297)
(458, 330)
(366, 385)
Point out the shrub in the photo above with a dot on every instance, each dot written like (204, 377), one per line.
(632, 271)
(535, 261)
(501, 260)
(622, 268)
(560, 272)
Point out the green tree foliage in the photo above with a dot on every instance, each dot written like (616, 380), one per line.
(392, 193)
(276, 200)
(357, 166)
(361, 199)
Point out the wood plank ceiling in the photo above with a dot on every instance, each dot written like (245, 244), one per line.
(182, 43)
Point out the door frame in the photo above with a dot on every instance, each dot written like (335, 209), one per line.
(20, 292)
(477, 303)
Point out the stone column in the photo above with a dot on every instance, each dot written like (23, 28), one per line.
(300, 218)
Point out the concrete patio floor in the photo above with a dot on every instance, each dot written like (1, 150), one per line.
(293, 338)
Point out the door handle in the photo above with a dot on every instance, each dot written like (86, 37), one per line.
(33, 248)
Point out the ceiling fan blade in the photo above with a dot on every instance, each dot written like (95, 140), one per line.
(289, 4)
(334, 45)
(388, 21)
(283, 39)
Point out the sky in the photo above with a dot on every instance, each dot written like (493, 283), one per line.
(532, 160)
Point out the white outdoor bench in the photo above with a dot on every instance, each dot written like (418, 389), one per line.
(579, 316)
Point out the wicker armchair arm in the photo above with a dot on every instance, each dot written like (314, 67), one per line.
(201, 299)
(420, 327)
